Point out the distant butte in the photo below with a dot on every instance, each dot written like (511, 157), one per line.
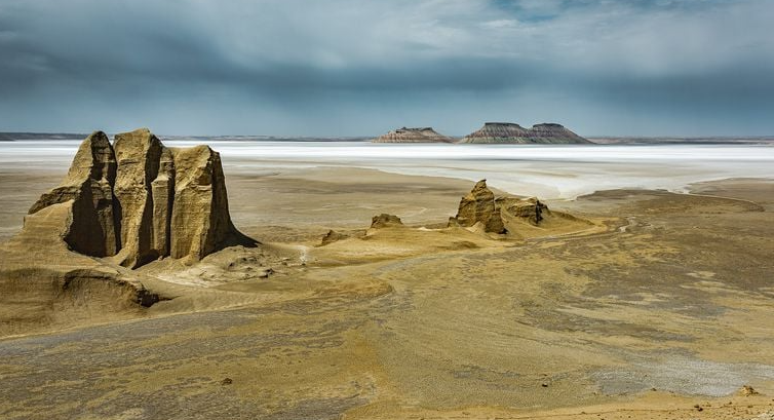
(510, 133)
(413, 135)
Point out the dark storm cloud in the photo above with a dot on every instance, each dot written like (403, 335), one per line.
(345, 67)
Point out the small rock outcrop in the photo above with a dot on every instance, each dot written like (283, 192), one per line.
(510, 133)
(747, 391)
(530, 209)
(331, 237)
(479, 206)
(385, 220)
(497, 214)
(413, 135)
(138, 201)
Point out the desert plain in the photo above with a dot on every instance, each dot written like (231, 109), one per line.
(654, 300)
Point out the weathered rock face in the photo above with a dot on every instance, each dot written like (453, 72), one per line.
(93, 223)
(509, 133)
(497, 214)
(139, 201)
(200, 220)
(413, 135)
(479, 206)
(163, 193)
(385, 220)
(139, 155)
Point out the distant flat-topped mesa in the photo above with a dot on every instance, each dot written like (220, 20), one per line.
(509, 133)
(136, 201)
(413, 135)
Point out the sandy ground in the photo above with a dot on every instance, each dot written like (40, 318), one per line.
(663, 310)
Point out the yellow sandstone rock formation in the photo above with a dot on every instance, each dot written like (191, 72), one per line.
(479, 206)
(140, 201)
(120, 206)
(498, 214)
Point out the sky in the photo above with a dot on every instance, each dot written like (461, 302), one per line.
(363, 67)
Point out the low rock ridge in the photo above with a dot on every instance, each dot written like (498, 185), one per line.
(136, 201)
(413, 135)
(510, 133)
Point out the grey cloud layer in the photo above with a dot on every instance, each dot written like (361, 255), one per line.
(345, 67)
